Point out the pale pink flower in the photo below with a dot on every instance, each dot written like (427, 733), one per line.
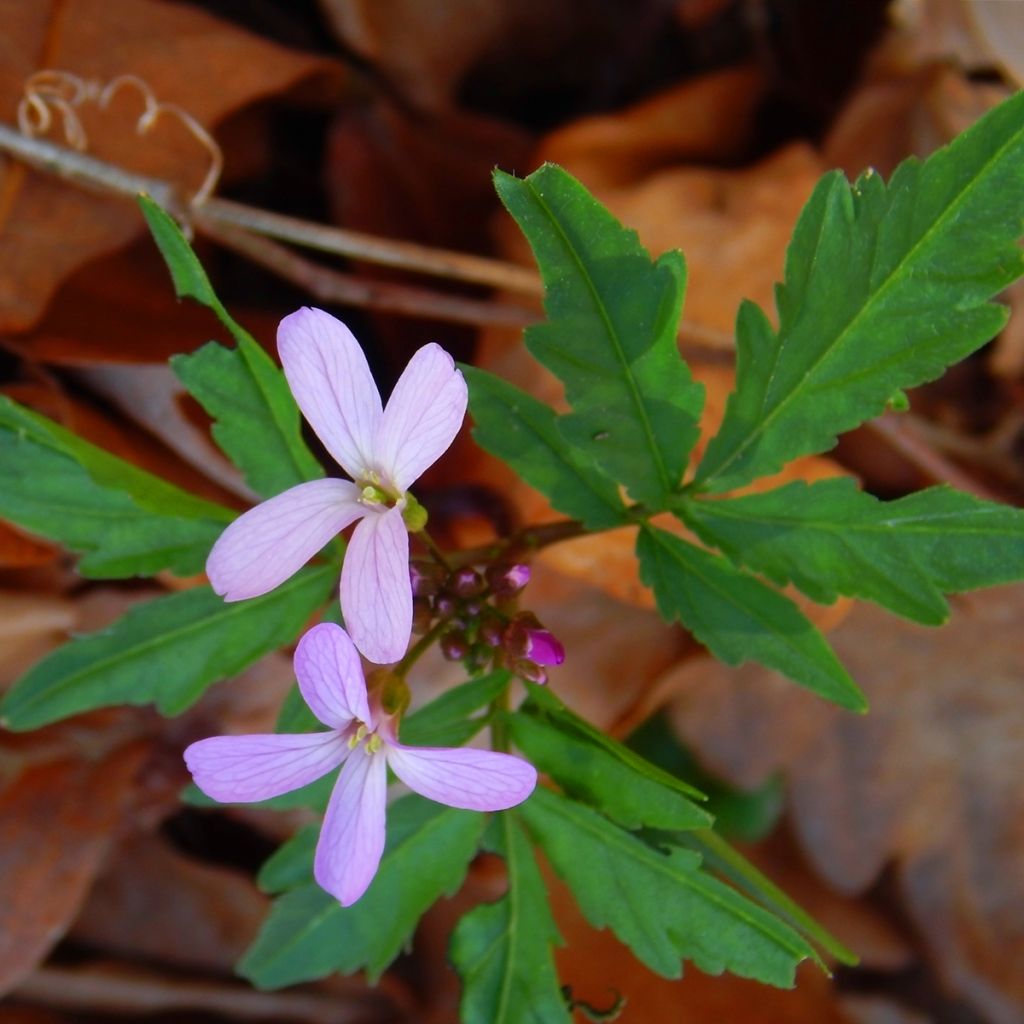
(361, 738)
(383, 450)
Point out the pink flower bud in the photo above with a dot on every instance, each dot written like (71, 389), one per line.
(507, 580)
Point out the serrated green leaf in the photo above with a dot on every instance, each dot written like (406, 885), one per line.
(611, 337)
(884, 288)
(445, 722)
(502, 950)
(309, 934)
(124, 521)
(165, 652)
(146, 490)
(543, 701)
(523, 432)
(660, 904)
(738, 618)
(831, 538)
(256, 421)
(590, 773)
(187, 273)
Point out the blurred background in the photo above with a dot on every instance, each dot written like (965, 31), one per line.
(704, 124)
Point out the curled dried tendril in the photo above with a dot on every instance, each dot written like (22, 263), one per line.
(53, 95)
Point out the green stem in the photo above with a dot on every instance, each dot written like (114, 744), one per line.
(435, 549)
(417, 650)
(499, 730)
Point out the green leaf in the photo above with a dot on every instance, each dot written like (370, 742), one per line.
(523, 432)
(831, 538)
(291, 864)
(611, 337)
(445, 722)
(165, 652)
(502, 950)
(884, 288)
(309, 934)
(256, 420)
(659, 903)
(542, 701)
(146, 490)
(590, 773)
(738, 618)
(125, 521)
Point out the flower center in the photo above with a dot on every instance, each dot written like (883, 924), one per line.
(370, 740)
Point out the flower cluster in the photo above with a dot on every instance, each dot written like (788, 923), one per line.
(384, 449)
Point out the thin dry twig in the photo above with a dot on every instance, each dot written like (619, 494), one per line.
(332, 286)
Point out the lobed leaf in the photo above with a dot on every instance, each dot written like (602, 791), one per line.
(588, 772)
(611, 334)
(523, 432)
(738, 618)
(660, 904)
(831, 538)
(502, 950)
(164, 652)
(309, 934)
(885, 286)
(256, 420)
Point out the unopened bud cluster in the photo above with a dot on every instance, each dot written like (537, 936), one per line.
(479, 627)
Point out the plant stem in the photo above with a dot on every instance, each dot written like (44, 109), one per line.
(435, 549)
(418, 649)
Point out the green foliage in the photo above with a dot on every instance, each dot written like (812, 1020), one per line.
(658, 902)
(523, 432)
(165, 652)
(291, 864)
(591, 773)
(831, 538)
(309, 934)
(738, 618)
(885, 286)
(611, 334)
(446, 721)
(502, 950)
(256, 420)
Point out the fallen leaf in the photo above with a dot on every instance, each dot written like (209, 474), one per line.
(18, 550)
(56, 822)
(928, 781)
(49, 228)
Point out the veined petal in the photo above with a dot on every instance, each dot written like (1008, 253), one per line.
(352, 838)
(376, 593)
(478, 780)
(241, 769)
(422, 417)
(272, 541)
(331, 380)
(330, 676)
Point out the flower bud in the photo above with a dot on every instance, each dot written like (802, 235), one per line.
(444, 605)
(426, 578)
(527, 638)
(454, 645)
(467, 583)
(506, 580)
(422, 614)
(531, 672)
(491, 632)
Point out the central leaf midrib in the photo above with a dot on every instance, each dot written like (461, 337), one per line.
(897, 274)
(631, 385)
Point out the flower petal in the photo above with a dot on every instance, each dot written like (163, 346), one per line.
(272, 541)
(331, 676)
(376, 593)
(240, 769)
(422, 417)
(478, 780)
(352, 839)
(332, 383)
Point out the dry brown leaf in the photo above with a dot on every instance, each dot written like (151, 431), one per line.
(56, 822)
(929, 780)
(18, 550)
(206, 66)
(154, 903)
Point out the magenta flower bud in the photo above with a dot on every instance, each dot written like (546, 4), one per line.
(506, 580)
(444, 605)
(492, 632)
(543, 648)
(422, 615)
(453, 645)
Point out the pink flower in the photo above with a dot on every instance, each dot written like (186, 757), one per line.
(383, 450)
(361, 738)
